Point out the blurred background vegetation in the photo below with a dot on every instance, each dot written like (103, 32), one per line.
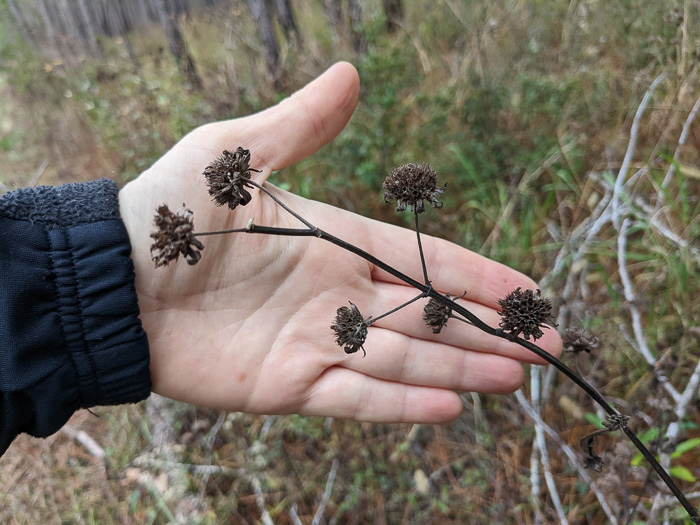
(525, 108)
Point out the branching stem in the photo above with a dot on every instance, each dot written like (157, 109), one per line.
(428, 291)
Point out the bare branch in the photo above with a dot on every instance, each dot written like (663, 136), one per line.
(326, 493)
(631, 146)
(570, 453)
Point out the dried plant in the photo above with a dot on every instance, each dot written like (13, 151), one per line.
(228, 177)
(523, 312)
(579, 340)
(174, 237)
(350, 329)
(410, 184)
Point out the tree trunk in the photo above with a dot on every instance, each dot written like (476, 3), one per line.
(48, 27)
(21, 23)
(88, 29)
(334, 16)
(285, 15)
(177, 44)
(394, 14)
(358, 40)
(266, 30)
(74, 37)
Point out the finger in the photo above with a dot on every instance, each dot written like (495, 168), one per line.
(296, 127)
(393, 356)
(340, 392)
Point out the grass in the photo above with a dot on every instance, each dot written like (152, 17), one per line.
(524, 108)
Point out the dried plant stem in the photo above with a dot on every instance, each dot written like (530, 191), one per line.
(375, 319)
(420, 251)
(676, 155)
(642, 346)
(428, 291)
(541, 455)
(87, 442)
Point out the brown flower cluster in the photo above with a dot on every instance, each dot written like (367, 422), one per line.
(228, 176)
(524, 313)
(436, 314)
(579, 340)
(410, 184)
(174, 237)
(350, 329)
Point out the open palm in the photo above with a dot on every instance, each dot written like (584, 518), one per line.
(247, 328)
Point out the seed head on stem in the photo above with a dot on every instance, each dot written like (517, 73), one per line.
(228, 177)
(174, 237)
(350, 329)
(410, 184)
(524, 312)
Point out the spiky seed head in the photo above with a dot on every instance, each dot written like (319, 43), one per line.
(350, 329)
(436, 314)
(228, 176)
(579, 340)
(524, 312)
(174, 237)
(410, 184)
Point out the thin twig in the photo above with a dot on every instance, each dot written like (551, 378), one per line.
(194, 468)
(628, 290)
(676, 155)
(87, 442)
(259, 496)
(318, 516)
(535, 486)
(631, 146)
(570, 453)
(375, 319)
(286, 208)
(293, 515)
(209, 452)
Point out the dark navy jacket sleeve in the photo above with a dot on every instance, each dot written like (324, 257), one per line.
(70, 336)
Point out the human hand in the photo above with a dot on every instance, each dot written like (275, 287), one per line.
(247, 328)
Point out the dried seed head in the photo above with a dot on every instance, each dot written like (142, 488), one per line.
(524, 313)
(409, 184)
(228, 176)
(436, 314)
(175, 236)
(593, 462)
(615, 422)
(350, 329)
(579, 340)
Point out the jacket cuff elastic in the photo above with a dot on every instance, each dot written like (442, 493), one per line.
(70, 335)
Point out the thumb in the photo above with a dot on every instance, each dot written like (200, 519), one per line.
(296, 127)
